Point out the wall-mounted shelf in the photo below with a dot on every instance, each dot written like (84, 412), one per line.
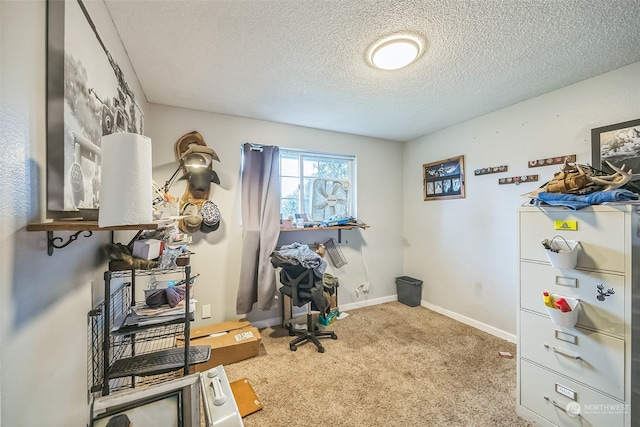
(333, 227)
(79, 226)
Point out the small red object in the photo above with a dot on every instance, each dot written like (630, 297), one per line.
(562, 305)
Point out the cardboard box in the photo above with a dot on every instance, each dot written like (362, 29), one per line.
(147, 248)
(230, 342)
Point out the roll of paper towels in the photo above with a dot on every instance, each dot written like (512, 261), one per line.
(125, 180)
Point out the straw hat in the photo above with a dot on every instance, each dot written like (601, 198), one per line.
(192, 219)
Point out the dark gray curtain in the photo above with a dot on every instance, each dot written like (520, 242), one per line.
(261, 227)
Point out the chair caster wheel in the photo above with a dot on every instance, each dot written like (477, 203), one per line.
(334, 337)
(293, 347)
(320, 349)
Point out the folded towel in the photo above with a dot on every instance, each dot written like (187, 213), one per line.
(576, 202)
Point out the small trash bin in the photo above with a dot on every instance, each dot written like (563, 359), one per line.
(409, 290)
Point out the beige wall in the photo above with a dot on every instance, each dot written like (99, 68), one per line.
(217, 256)
(44, 300)
(466, 249)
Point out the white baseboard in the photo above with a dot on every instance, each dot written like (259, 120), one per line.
(367, 302)
(375, 301)
(471, 322)
(274, 321)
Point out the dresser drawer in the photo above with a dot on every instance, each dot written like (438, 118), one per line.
(601, 236)
(585, 356)
(607, 315)
(544, 393)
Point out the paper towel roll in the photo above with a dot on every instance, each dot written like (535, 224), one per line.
(125, 183)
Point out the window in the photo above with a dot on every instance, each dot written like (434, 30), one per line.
(320, 185)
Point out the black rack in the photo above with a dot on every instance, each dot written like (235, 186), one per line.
(135, 355)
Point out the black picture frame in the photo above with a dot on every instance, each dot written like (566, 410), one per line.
(87, 97)
(444, 179)
(619, 144)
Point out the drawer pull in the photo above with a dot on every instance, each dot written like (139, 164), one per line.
(566, 337)
(563, 352)
(572, 282)
(563, 408)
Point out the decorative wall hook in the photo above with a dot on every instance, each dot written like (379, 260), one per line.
(518, 179)
(602, 295)
(552, 161)
(491, 169)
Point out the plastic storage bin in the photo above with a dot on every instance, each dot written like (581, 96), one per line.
(565, 253)
(569, 319)
(409, 290)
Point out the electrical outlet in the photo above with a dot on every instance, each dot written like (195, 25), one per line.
(206, 311)
(364, 287)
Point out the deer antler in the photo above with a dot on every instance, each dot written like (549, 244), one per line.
(616, 180)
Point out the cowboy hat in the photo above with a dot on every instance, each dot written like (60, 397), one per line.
(192, 140)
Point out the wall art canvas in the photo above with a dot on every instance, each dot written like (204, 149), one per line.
(88, 96)
(619, 144)
(444, 179)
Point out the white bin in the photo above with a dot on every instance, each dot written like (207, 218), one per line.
(568, 319)
(566, 256)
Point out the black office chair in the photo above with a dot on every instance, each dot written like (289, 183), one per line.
(304, 288)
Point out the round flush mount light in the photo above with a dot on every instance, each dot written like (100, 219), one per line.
(395, 51)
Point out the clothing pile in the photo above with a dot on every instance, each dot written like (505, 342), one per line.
(297, 261)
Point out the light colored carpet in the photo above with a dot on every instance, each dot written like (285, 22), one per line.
(392, 365)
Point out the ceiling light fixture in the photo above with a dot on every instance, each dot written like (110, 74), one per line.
(395, 51)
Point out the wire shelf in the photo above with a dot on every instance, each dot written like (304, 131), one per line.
(104, 330)
(335, 253)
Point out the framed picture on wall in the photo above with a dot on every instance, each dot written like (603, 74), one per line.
(87, 97)
(444, 179)
(618, 144)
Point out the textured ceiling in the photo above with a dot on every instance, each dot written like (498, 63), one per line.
(303, 62)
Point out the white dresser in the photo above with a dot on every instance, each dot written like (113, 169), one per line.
(587, 374)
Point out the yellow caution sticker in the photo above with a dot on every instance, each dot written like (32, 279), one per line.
(565, 224)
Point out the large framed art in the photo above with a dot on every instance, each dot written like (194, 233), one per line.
(444, 179)
(89, 94)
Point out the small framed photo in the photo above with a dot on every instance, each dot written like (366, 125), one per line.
(444, 179)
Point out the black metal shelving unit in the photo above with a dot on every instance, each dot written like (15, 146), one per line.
(131, 355)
